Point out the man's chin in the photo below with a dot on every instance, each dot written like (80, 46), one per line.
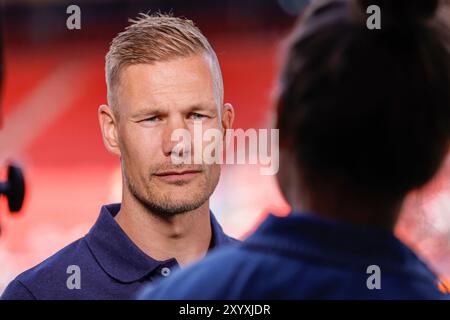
(168, 198)
(172, 207)
(175, 199)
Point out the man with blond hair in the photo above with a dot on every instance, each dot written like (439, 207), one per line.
(161, 75)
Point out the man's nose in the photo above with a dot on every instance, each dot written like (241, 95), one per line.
(173, 144)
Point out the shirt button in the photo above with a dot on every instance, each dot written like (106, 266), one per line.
(165, 272)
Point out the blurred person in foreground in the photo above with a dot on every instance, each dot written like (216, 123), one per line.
(364, 118)
(162, 75)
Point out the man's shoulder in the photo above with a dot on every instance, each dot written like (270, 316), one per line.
(45, 274)
(230, 240)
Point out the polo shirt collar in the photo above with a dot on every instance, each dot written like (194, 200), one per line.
(117, 254)
(219, 237)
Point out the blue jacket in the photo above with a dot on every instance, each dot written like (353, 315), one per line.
(305, 257)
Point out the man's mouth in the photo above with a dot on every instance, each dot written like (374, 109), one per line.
(178, 176)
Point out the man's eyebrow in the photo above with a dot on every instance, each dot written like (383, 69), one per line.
(158, 110)
(201, 107)
(148, 111)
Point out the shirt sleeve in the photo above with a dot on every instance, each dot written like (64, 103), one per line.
(16, 290)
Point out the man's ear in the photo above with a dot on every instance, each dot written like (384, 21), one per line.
(227, 116)
(108, 127)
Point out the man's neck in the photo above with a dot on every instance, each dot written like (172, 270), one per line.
(185, 236)
(352, 207)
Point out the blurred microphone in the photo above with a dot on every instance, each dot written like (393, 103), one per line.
(13, 188)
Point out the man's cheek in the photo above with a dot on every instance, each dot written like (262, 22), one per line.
(211, 172)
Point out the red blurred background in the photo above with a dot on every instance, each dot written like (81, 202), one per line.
(54, 82)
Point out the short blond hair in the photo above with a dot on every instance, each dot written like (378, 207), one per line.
(157, 38)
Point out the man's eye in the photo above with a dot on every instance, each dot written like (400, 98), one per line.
(151, 119)
(198, 116)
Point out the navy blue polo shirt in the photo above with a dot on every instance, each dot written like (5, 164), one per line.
(110, 265)
(303, 256)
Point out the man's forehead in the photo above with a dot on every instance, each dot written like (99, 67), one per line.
(166, 84)
(166, 75)
(179, 67)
